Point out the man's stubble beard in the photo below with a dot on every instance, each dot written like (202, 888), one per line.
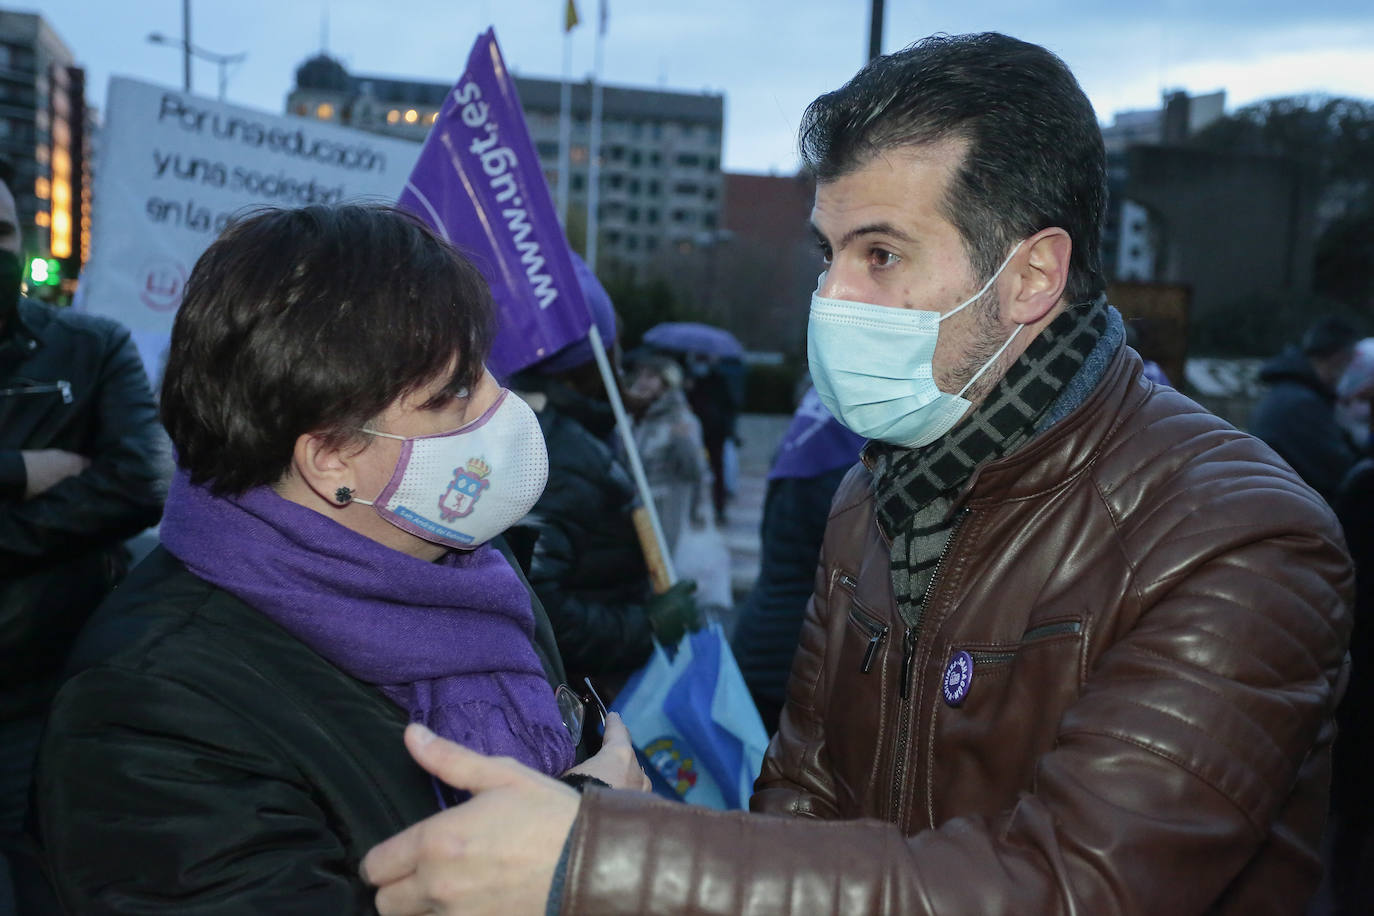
(988, 338)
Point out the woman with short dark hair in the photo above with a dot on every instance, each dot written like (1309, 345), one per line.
(228, 739)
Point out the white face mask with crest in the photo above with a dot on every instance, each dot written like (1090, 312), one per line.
(463, 487)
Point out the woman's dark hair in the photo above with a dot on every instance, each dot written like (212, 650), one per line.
(1034, 159)
(314, 321)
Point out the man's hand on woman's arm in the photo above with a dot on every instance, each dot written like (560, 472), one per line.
(493, 854)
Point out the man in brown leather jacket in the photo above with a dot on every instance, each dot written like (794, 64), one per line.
(1075, 642)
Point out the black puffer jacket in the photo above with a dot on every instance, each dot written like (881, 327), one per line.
(74, 382)
(1297, 418)
(587, 567)
(202, 760)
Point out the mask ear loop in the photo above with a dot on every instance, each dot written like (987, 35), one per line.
(358, 499)
(986, 286)
(1000, 351)
(974, 298)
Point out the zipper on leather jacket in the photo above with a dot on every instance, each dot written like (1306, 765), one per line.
(908, 653)
(913, 630)
(903, 722)
(991, 658)
(876, 631)
(909, 640)
(61, 386)
(1035, 634)
(1046, 630)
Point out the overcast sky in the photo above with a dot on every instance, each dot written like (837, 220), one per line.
(769, 57)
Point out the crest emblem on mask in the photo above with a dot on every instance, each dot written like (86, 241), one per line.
(464, 489)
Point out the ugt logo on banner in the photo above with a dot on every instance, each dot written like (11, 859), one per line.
(479, 185)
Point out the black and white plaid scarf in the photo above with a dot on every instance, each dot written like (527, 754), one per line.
(915, 489)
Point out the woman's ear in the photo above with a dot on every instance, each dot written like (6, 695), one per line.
(323, 467)
(1041, 274)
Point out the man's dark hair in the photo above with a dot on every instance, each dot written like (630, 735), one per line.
(6, 173)
(1034, 158)
(314, 321)
(1329, 335)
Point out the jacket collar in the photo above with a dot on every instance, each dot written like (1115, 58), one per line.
(1067, 448)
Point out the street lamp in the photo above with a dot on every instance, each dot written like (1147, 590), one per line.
(223, 61)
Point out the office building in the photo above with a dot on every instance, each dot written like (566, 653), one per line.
(1130, 246)
(45, 135)
(661, 184)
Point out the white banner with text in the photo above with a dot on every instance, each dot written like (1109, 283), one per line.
(174, 168)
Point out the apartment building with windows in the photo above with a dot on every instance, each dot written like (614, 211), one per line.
(660, 180)
(45, 131)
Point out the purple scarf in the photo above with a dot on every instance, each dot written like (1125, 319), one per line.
(450, 642)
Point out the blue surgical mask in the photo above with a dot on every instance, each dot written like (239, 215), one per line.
(872, 367)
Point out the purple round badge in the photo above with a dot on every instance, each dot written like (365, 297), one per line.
(958, 677)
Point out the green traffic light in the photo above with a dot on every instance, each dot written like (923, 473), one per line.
(44, 272)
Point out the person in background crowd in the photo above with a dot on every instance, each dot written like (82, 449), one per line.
(585, 562)
(1353, 394)
(715, 400)
(1296, 417)
(227, 739)
(1351, 872)
(83, 467)
(1075, 644)
(1150, 369)
(815, 454)
(668, 436)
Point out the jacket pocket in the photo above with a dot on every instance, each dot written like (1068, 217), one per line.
(857, 711)
(984, 658)
(30, 409)
(871, 629)
(982, 749)
(26, 388)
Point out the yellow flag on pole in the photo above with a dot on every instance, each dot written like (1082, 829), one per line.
(570, 17)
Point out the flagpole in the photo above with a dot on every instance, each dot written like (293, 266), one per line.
(655, 555)
(564, 128)
(594, 170)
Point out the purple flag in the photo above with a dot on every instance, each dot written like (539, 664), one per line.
(478, 183)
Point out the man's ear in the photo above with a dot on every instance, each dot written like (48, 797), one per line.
(324, 467)
(1040, 274)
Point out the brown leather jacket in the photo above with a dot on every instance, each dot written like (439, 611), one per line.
(1157, 612)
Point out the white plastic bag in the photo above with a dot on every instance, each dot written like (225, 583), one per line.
(702, 554)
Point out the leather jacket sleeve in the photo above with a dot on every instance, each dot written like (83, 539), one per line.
(1136, 808)
(122, 491)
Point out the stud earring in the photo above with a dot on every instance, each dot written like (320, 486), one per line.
(344, 495)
